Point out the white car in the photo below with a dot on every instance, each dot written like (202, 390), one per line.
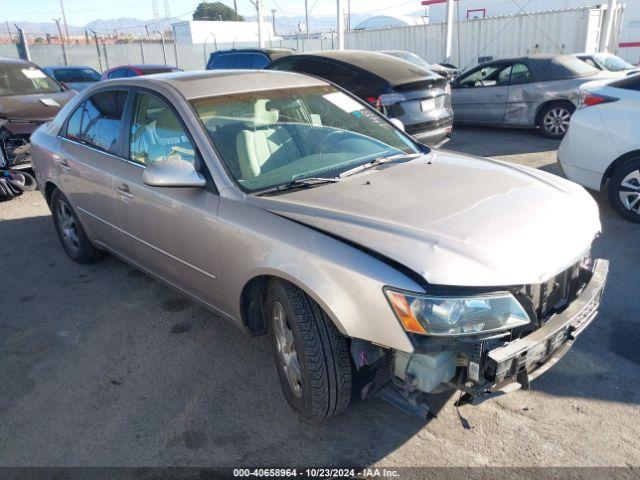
(603, 143)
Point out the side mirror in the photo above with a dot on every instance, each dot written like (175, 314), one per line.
(397, 123)
(172, 173)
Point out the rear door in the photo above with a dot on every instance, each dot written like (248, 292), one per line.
(481, 95)
(90, 150)
(171, 232)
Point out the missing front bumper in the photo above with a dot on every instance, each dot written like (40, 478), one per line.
(515, 364)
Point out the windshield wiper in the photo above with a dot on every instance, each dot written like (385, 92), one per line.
(299, 183)
(378, 161)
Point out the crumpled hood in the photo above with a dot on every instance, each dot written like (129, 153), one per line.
(454, 219)
(34, 107)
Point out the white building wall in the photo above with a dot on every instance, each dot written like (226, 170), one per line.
(566, 31)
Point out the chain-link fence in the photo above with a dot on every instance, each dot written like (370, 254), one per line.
(187, 57)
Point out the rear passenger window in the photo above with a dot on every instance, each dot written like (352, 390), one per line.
(97, 122)
(120, 73)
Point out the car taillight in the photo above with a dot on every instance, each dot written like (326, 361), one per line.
(589, 99)
(374, 102)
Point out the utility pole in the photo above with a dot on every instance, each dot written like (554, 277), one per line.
(273, 20)
(235, 8)
(348, 15)
(175, 44)
(23, 44)
(306, 18)
(62, 42)
(95, 37)
(340, 33)
(64, 19)
(449, 32)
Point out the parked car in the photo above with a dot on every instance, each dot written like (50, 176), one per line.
(288, 206)
(137, 70)
(245, 58)
(28, 98)
(75, 78)
(445, 70)
(537, 91)
(418, 98)
(602, 146)
(608, 62)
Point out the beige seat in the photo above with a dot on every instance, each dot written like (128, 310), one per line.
(266, 145)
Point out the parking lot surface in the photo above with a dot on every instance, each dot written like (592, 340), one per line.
(101, 365)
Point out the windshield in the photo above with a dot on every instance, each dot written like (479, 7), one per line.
(409, 57)
(615, 64)
(25, 80)
(71, 75)
(273, 137)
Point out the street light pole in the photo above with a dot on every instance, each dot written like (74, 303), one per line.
(273, 20)
(95, 37)
(64, 19)
(306, 18)
(259, 8)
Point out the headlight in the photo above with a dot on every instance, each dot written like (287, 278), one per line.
(451, 316)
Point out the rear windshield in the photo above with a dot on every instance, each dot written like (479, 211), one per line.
(577, 66)
(25, 80)
(151, 71)
(631, 82)
(76, 75)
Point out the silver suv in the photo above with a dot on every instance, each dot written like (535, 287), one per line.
(290, 207)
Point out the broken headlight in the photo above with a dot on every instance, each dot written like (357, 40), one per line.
(456, 315)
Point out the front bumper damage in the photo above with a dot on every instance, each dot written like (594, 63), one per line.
(483, 367)
(15, 151)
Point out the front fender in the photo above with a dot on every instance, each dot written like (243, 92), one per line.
(346, 282)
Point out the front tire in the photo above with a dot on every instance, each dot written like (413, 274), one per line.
(624, 190)
(554, 119)
(70, 232)
(311, 355)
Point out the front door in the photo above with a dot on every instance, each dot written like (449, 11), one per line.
(481, 96)
(171, 232)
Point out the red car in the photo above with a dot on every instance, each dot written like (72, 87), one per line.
(137, 70)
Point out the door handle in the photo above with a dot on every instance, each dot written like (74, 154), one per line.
(124, 190)
(62, 162)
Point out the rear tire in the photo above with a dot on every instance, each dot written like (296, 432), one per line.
(311, 355)
(624, 190)
(70, 232)
(554, 118)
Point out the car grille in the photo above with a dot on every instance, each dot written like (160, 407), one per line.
(552, 296)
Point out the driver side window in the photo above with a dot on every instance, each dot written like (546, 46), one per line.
(489, 76)
(157, 134)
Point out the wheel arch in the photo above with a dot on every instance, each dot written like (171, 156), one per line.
(548, 103)
(49, 188)
(618, 162)
(254, 292)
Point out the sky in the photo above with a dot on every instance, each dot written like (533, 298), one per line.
(81, 12)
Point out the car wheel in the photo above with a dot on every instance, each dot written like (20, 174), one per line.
(554, 119)
(311, 355)
(624, 190)
(70, 231)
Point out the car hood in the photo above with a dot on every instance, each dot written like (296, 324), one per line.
(454, 219)
(39, 107)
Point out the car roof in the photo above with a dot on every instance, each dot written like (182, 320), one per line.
(14, 61)
(262, 50)
(208, 83)
(392, 69)
(68, 67)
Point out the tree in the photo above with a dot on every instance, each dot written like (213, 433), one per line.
(216, 11)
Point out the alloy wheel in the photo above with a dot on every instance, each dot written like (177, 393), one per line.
(286, 347)
(68, 227)
(556, 121)
(629, 191)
